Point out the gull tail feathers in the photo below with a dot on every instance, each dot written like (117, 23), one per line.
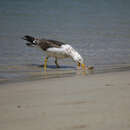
(31, 40)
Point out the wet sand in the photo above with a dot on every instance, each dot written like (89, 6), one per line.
(29, 72)
(93, 102)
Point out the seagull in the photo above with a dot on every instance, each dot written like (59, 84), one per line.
(56, 49)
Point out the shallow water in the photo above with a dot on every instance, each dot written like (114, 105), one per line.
(99, 30)
(31, 72)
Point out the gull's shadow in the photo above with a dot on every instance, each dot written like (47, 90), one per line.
(53, 66)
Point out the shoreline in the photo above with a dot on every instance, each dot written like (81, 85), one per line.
(37, 72)
(94, 102)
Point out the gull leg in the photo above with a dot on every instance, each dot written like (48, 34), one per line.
(57, 65)
(45, 63)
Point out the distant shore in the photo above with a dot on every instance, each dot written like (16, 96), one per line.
(93, 102)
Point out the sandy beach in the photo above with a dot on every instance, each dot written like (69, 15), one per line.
(62, 98)
(93, 102)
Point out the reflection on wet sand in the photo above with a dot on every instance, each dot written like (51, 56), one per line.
(28, 72)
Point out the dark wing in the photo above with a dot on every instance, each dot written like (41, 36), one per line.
(56, 43)
(45, 44)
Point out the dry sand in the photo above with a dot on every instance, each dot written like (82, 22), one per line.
(93, 102)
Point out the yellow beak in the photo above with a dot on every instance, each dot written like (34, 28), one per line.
(83, 66)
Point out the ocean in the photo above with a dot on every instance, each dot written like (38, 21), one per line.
(98, 29)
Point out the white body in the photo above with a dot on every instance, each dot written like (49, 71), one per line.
(53, 49)
(63, 52)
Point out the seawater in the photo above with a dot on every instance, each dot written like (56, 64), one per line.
(98, 29)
